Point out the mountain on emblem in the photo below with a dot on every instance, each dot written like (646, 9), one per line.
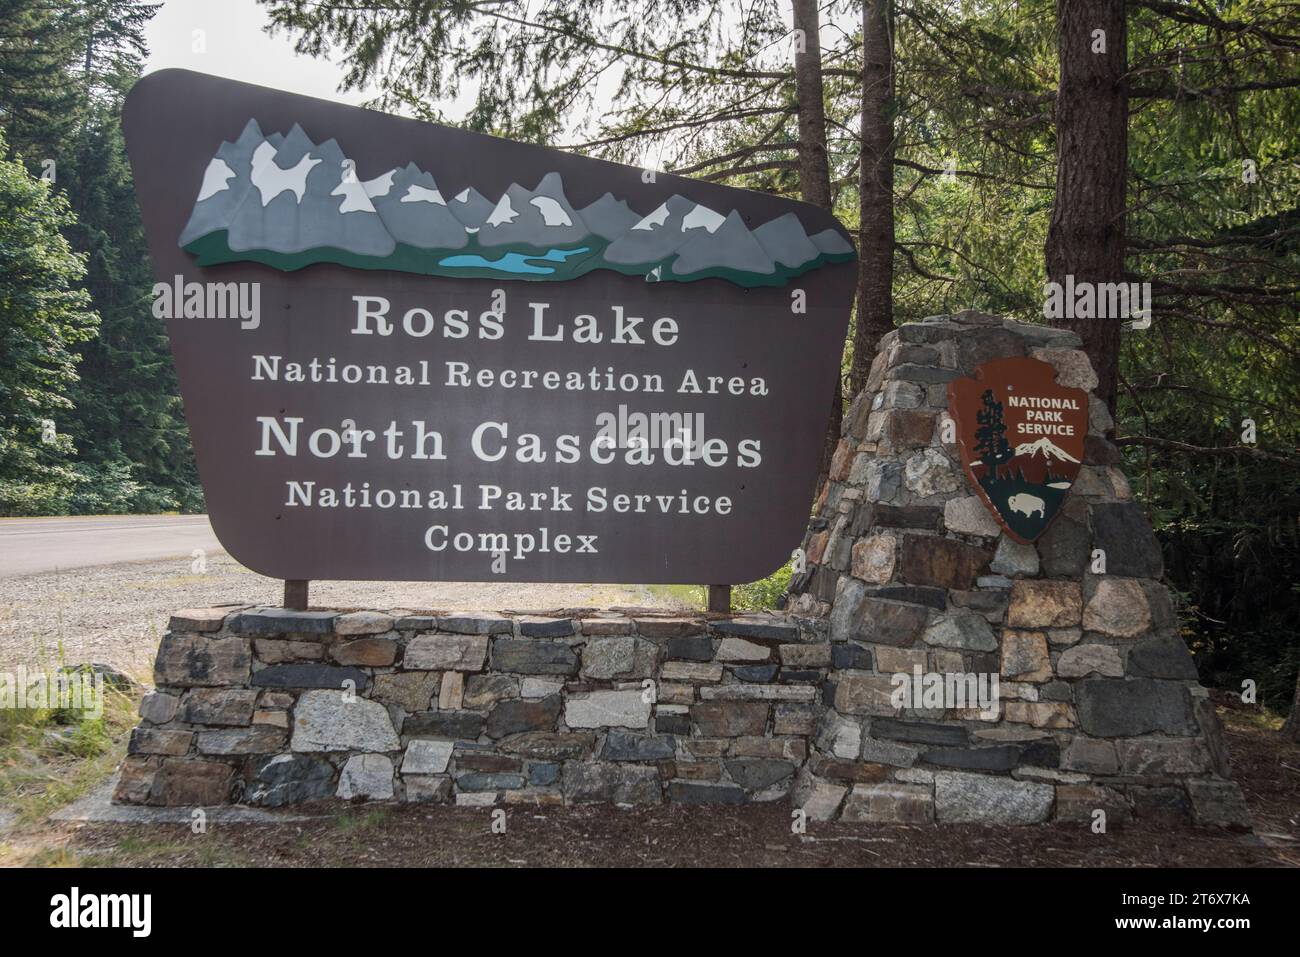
(286, 202)
(1021, 438)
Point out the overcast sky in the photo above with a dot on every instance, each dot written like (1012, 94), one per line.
(228, 38)
(234, 44)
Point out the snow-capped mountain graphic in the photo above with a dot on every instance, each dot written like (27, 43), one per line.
(414, 211)
(655, 236)
(303, 197)
(1042, 461)
(1046, 448)
(288, 202)
(536, 217)
(608, 217)
(471, 209)
(227, 181)
(729, 245)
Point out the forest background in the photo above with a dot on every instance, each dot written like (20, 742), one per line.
(978, 149)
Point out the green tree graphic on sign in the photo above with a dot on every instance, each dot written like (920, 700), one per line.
(990, 437)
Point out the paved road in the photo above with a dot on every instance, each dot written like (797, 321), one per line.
(31, 545)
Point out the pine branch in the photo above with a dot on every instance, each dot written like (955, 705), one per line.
(1173, 242)
(1190, 94)
(684, 125)
(754, 168)
(734, 155)
(971, 174)
(1159, 443)
(918, 269)
(587, 40)
(1244, 329)
(1183, 14)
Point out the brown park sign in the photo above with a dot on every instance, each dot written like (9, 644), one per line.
(1021, 437)
(412, 352)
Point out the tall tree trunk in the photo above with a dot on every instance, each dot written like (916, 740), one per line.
(1292, 727)
(1086, 236)
(876, 185)
(814, 168)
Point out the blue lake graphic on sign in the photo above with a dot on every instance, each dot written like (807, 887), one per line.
(513, 262)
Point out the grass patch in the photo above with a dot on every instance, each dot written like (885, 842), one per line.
(131, 850)
(761, 595)
(1259, 719)
(54, 857)
(50, 758)
(348, 821)
(688, 596)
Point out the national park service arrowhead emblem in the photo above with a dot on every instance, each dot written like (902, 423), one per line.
(1021, 437)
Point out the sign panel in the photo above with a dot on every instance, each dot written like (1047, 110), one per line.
(411, 352)
(1021, 437)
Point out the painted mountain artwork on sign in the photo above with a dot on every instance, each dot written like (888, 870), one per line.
(1021, 437)
(287, 202)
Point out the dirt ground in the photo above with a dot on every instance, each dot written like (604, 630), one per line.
(1267, 768)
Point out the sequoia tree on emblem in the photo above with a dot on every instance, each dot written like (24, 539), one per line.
(1021, 437)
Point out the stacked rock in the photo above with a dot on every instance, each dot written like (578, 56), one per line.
(270, 707)
(1098, 705)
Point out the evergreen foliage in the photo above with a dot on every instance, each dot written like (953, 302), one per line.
(122, 445)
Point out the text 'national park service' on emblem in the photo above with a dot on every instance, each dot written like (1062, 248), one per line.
(1021, 437)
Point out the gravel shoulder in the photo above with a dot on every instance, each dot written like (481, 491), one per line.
(117, 614)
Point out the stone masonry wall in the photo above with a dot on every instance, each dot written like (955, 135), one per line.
(253, 705)
(1100, 706)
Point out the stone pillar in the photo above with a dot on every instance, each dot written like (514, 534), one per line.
(1099, 706)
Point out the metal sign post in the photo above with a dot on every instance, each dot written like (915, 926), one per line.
(295, 594)
(720, 599)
